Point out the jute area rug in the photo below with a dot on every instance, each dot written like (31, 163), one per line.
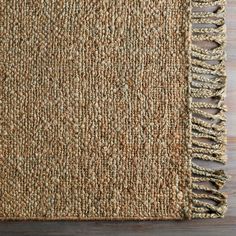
(105, 105)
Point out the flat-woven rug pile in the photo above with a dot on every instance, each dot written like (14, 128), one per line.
(106, 106)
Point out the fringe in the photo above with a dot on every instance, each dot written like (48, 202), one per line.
(207, 89)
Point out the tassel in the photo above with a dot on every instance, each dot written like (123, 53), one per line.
(207, 88)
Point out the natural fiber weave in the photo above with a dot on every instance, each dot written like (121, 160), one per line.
(104, 106)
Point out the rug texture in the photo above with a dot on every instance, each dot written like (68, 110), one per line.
(106, 104)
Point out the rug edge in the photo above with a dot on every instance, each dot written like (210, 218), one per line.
(208, 82)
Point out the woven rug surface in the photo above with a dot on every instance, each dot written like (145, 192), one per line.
(106, 105)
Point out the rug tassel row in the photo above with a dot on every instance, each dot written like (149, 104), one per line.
(207, 87)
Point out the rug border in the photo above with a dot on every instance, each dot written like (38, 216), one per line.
(208, 82)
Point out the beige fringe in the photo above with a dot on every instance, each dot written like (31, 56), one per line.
(207, 86)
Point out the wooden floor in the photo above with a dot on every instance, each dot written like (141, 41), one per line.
(217, 227)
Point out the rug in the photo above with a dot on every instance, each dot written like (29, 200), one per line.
(112, 110)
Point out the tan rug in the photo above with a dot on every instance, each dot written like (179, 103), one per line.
(106, 104)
